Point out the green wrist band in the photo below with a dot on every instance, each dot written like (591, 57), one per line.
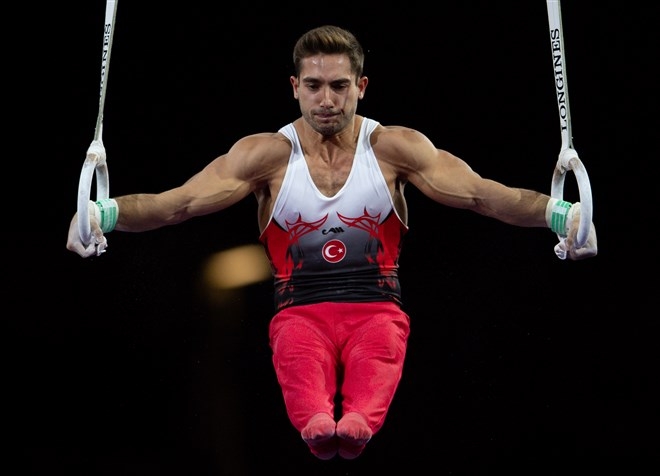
(558, 216)
(109, 213)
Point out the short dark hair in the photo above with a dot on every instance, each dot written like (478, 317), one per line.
(329, 39)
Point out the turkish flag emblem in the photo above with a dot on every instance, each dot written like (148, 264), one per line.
(334, 251)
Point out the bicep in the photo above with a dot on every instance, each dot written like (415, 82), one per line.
(219, 185)
(249, 165)
(411, 157)
(447, 179)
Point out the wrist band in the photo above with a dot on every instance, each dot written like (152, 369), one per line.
(556, 214)
(108, 211)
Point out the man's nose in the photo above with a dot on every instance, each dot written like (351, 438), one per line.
(326, 98)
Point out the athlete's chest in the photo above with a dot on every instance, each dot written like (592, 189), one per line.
(329, 176)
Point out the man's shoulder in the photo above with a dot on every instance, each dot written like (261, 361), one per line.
(395, 130)
(264, 142)
(394, 136)
(261, 154)
(399, 149)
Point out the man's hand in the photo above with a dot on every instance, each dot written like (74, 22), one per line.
(74, 243)
(566, 246)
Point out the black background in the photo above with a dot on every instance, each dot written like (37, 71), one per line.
(518, 362)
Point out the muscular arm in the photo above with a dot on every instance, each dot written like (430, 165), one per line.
(406, 155)
(447, 179)
(450, 181)
(219, 185)
(248, 166)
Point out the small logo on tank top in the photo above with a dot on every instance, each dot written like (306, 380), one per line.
(334, 251)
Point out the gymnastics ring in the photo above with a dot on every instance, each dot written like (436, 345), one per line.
(94, 166)
(569, 160)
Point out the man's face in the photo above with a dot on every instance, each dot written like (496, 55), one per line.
(327, 92)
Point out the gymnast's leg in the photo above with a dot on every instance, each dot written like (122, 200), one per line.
(373, 349)
(305, 362)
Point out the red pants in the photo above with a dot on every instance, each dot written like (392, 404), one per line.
(354, 350)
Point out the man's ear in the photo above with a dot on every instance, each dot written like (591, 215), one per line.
(294, 83)
(362, 86)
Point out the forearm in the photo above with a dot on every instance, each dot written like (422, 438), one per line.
(515, 206)
(143, 212)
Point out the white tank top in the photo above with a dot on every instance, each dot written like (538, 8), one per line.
(343, 248)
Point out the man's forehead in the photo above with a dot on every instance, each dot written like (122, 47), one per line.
(335, 64)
